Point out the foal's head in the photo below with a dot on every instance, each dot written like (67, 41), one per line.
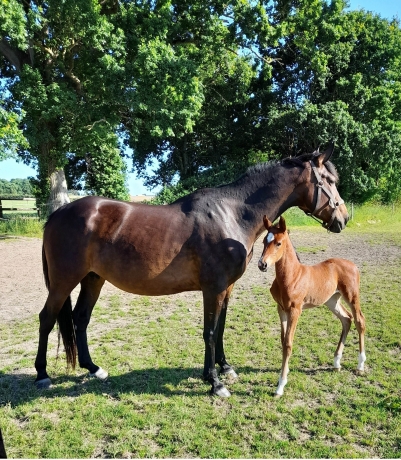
(274, 243)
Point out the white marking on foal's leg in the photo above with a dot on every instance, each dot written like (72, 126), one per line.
(100, 374)
(337, 361)
(361, 361)
(281, 384)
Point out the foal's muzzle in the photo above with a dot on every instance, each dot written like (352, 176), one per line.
(262, 265)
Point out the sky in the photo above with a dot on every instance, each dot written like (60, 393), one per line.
(10, 169)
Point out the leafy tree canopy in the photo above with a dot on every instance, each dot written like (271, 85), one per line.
(201, 89)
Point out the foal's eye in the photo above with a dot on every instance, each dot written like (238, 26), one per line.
(278, 244)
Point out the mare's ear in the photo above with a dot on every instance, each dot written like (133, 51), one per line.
(267, 222)
(282, 224)
(321, 158)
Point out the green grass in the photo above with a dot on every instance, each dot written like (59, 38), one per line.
(21, 226)
(154, 403)
(365, 217)
(20, 223)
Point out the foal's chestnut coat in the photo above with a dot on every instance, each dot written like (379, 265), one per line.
(299, 286)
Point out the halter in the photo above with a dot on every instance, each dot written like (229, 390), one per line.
(332, 201)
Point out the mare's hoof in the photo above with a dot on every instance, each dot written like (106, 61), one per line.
(222, 392)
(277, 396)
(230, 373)
(359, 372)
(100, 374)
(336, 369)
(43, 384)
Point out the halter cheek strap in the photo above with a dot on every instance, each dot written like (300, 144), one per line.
(332, 201)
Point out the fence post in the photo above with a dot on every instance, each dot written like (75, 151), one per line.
(1, 210)
(352, 211)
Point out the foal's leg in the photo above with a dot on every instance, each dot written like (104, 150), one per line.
(344, 316)
(213, 305)
(225, 368)
(359, 319)
(91, 286)
(287, 338)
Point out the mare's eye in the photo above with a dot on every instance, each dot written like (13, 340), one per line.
(278, 244)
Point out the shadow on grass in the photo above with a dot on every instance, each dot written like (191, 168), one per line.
(16, 389)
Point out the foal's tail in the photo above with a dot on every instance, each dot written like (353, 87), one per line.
(64, 320)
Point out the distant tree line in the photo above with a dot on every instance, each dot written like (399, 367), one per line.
(198, 90)
(16, 187)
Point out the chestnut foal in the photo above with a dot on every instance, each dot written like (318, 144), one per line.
(299, 286)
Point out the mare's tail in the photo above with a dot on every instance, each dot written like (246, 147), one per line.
(64, 320)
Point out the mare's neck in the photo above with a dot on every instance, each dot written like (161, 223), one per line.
(264, 190)
(287, 267)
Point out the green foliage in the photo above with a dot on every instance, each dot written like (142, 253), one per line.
(192, 86)
(20, 225)
(17, 187)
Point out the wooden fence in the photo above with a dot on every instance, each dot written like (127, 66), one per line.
(5, 198)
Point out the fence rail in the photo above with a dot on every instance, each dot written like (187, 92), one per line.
(6, 198)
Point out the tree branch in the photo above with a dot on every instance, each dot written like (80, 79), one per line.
(16, 57)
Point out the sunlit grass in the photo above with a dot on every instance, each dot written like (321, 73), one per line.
(155, 404)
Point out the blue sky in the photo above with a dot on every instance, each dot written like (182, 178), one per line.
(10, 169)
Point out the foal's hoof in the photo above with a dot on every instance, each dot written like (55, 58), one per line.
(360, 372)
(336, 369)
(222, 392)
(230, 373)
(100, 374)
(277, 396)
(43, 384)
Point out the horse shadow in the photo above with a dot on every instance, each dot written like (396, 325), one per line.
(17, 389)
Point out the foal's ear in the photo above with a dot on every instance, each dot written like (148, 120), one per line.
(282, 224)
(267, 222)
(321, 158)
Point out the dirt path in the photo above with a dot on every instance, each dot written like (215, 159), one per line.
(23, 292)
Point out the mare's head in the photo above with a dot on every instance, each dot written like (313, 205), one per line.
(317, 194)
(274, 243)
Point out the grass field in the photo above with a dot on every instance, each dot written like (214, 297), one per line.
(23, 222)
(155, 405)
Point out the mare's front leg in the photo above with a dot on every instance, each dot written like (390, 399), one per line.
(288, 320)
(225, 368)
(91, 286)
(212, 305)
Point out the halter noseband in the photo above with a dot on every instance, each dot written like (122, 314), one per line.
(332, 202)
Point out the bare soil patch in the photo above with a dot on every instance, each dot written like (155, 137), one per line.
(23, 292)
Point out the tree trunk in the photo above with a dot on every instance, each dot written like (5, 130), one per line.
(58, 191)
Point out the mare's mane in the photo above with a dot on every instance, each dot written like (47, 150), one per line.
(299, 161)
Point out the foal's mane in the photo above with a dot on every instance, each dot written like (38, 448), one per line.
(290, 240)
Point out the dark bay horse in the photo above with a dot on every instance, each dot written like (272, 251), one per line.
(298, 286)
(2, 448)
(202, 242)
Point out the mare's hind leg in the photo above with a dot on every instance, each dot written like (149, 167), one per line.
(225, 368)
(91, 286)
(334, 304)
(47, 320)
